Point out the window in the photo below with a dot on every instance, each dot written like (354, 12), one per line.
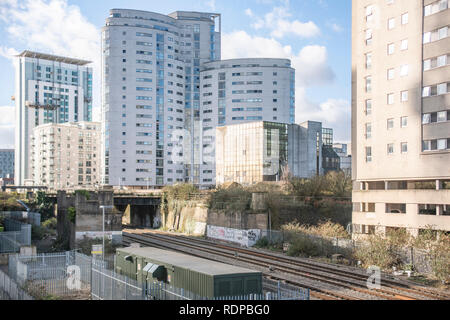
(390, 98)
(404, 96)
(368, 130)
(390, 74)
(391, 48)
(442, 144)
(403, 122)
(368, 107)
(391, 23)
(368, 154)
(368, 84)
(404, 44)
(404, 70)
(441, 88)
(442, 116)
(404, 147)
(436, 7)
(390, 148)
(368, 36)
(390, 124)
(405, 18)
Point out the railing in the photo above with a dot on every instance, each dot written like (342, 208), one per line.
(33, 218)
(17, 234)
(52, 274)
(10, 290)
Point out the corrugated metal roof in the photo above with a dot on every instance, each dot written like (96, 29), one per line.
(45, 56)
(201, 265)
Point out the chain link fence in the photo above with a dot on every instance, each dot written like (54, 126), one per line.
(52, 275)
(10, 290)
(16, 235)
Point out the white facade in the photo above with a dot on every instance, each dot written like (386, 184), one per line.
(66, 155)
(49, 89)
(400, 115)
(239, 91)
(151, 94)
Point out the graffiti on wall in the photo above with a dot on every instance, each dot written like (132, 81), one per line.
(245, 238)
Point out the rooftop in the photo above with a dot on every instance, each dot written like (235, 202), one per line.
(45, 56)
(201, 265)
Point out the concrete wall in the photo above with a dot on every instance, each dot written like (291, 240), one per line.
(89, 217)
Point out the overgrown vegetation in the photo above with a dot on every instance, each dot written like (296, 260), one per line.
(71, 214)
(46, 229)
(384, 252)
(8, 202)
(323, 229)
(43, 205)
(234, 198)
(174, 199)
(84, 193)
(85, 245)
(334, 184)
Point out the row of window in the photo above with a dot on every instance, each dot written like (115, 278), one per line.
(435, 90)
(435, 7)
(436, 144)
(434, 117)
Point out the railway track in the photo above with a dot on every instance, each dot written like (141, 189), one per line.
(325, 281)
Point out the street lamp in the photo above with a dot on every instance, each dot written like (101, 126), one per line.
(103, 234)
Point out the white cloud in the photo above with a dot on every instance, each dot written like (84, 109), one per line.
(211, 4)
(7, 116)
(54, 27)
(8, 53)
(333, 113)
(278, 22)
(310, 62)
(336, 28)
(312, 69)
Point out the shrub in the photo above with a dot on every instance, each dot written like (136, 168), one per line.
(262, 243)
(304, 246)
(84, 193)
(323, 229)
(38, 232)
(71, 214)
(179, 191)
(50, 223)
(378, 251)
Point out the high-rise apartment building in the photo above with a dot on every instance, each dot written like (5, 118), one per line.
(49, 89)
(240, 91)
(66, 155)
(151, 93)
(400, 115)
(6, 163)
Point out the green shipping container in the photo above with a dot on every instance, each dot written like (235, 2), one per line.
(1, 229)
(200, 276)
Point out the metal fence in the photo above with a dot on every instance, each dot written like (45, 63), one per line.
(17, 234)
(32, 218)
(277, 290)
(419, 259)
(10, 290)
(52, 274)
(108, 285)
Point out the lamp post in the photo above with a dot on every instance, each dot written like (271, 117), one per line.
(103, 234)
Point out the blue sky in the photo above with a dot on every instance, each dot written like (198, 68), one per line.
(314, 34)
